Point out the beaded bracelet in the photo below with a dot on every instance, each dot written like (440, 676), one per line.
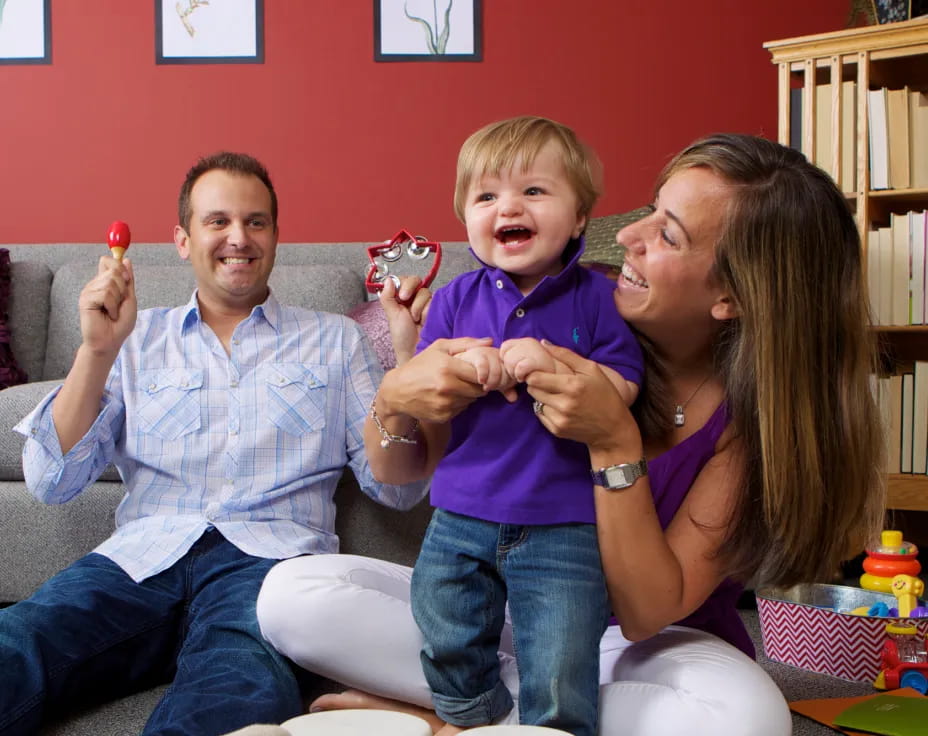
(387, 439)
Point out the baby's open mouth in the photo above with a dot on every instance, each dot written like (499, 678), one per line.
(513, 235)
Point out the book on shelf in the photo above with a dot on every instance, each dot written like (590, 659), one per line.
(795, 118)
(901, 273)
(878, 142)
(893, 417)
(848, 136)
(874, 276)
(918, 139)
(920, 418)
(917, 225)
(908, 411)
(897, 122)
(885, 240)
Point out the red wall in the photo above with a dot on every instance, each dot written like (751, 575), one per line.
(358, 149)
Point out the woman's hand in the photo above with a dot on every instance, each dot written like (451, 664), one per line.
(406, 310)
(582, 404)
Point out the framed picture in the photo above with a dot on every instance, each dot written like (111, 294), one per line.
(25, 32)
(209, 31)
(890, 11)
(427, 30)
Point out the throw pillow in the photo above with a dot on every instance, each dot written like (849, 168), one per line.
(10, 373)
(373, 321)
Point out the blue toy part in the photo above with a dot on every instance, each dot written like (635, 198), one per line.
(878, 609)
(915, 680)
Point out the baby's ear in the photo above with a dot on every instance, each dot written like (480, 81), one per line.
(725, 308)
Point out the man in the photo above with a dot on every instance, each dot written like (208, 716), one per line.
(230, 419)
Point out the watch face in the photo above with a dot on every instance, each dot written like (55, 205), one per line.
(619, 476)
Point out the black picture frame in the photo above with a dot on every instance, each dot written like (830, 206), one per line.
(168, 38)
(44, 37)
(891, 11)
(390, 16)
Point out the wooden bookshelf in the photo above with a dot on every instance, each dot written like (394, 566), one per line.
(892, 55)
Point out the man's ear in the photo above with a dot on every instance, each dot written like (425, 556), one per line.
(180, 240)
(725, 308)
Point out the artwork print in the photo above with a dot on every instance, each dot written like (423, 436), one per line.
(209, 31)
(427, 30)
(25, 32)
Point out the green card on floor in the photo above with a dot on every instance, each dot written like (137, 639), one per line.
(891, 715)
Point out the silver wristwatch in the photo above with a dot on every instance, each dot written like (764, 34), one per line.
(617, 477)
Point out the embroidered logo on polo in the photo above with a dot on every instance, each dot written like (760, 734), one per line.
(575, 335)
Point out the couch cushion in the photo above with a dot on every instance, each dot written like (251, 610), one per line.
(15, 403)
(30, 294)
(327, 288)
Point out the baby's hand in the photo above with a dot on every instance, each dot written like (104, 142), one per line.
(523, 356)
(489, 370)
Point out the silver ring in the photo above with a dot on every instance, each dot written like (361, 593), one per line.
(538, 408)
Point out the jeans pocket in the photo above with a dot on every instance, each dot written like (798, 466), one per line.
(169, 402)
(296, 396)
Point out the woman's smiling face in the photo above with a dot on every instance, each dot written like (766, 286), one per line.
(666, 283)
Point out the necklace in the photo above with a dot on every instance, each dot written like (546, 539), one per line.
(679, 418)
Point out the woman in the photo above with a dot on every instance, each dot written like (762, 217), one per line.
(761, 436)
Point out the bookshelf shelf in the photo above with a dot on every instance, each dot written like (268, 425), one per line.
(834, 71)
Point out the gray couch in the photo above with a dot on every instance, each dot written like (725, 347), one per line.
(39, 540)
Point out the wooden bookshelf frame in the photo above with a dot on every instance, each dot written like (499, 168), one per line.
(873, 56)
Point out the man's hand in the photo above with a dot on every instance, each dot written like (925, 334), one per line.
(405, 320)
(434, 386)
(525, 355)
(107, 307)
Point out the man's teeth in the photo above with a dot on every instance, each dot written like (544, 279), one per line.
(234, 261)
(632, 277)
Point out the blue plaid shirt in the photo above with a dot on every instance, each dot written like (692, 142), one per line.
(252, 443)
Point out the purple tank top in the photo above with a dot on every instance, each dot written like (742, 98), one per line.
(672, 474)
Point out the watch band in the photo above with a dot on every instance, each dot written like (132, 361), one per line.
(617, 477)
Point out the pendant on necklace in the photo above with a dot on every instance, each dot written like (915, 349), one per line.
(678, 417)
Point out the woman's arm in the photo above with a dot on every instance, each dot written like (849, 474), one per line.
(432, 387)
(655, 577)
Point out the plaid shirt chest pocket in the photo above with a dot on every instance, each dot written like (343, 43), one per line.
(169, 402)
(296, 396)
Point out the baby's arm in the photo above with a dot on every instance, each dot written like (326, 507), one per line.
(627, 389)
(524, 355)
(489, 370)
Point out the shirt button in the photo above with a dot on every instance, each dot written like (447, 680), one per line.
(235, 341)
(233, 384)
(520, 312)
(183, 384)
(499, 283)
(34, 431)
(233, 432)
(152, 386)
(281, 380)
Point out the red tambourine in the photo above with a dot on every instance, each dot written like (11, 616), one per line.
(388, 258)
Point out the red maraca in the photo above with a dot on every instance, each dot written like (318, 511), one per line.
(118, 238)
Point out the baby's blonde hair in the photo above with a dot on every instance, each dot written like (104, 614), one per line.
(496, 147)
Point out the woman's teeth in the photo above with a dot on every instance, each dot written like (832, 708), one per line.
(632, 276)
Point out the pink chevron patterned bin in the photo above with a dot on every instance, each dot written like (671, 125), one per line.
(809, 626)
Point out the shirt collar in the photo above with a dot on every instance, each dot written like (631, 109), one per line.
(571, 255)
(269, 309)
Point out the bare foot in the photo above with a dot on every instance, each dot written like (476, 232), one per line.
(361, 699)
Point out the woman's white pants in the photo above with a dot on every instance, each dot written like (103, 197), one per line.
(348, 618)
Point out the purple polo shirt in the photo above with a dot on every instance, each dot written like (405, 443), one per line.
(501, 464)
